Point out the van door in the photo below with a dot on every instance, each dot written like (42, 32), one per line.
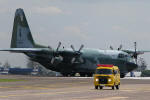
(117, 77)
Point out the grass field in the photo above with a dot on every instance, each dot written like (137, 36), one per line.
(10, 80)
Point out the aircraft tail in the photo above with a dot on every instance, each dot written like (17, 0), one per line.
(21, 35)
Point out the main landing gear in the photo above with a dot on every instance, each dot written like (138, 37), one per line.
(81, 74)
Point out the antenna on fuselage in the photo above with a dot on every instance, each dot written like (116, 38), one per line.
(135, 53)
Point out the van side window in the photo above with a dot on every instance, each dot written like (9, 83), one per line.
(115, 72)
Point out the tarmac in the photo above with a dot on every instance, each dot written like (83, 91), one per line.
(71, 88)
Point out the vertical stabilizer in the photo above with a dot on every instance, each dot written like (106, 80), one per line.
(21, 35)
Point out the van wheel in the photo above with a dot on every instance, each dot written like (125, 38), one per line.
(117, 87)
(122, 75)
(113, 87)
(100, 87)
(96, 87)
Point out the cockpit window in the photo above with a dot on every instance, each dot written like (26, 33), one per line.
(122, 55)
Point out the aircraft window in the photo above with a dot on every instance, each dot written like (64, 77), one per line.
(121, 56)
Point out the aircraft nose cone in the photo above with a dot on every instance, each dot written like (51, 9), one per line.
(131, 66)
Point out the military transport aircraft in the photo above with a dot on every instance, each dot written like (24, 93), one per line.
(68, 61)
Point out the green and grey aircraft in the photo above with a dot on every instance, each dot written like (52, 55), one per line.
(67, 61)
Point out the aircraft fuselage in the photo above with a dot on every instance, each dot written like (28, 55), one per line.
(90, 59)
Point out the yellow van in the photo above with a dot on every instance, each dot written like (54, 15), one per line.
(107, 75)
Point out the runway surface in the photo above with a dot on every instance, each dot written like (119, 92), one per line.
(71, 88)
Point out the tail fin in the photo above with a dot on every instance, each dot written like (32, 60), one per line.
(21, 35)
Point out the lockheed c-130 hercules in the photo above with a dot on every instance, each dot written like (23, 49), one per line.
(68, 61)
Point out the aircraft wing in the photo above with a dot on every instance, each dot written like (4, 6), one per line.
(138, 51)
(26, 50)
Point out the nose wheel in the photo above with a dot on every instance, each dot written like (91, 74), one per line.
(122, 75)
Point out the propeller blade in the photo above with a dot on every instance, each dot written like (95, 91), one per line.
(120, 47)
(136, 60)
(73, 48)
(73, 60)
(52, 60)
(111, 48)
(135, 46)
(57, 59)
(135, 52)
(59, 44)
(81, 47)
(77, 60)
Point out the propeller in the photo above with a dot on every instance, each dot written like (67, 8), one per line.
(56, 54)
(135, 55)
(120, 47)
(77, 58)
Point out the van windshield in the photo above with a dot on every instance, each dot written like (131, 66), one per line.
(104, 71)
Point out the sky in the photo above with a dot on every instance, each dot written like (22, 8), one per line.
(94, 23)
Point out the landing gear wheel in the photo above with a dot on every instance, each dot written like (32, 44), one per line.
(96, 87)
(88, 75)
(122, 75)
(113, 87)
(100, 87)
(117, 87)
(82, 75)
(72, 74)
(65, 74)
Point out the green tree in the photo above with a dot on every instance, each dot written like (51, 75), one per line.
(145, 73)
(141, 64)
